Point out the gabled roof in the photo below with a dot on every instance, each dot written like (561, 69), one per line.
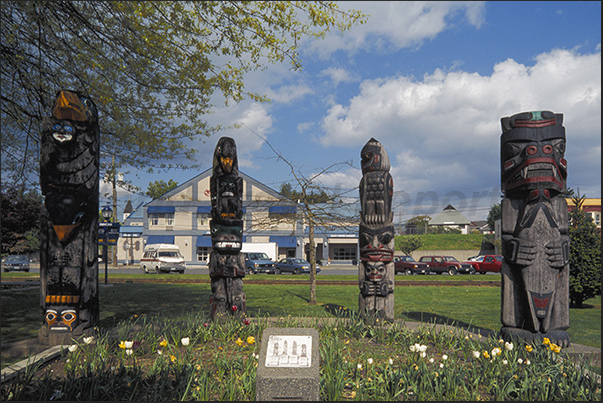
(449, 216)
(163, 200)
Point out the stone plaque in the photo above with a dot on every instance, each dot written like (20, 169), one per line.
(289, 365)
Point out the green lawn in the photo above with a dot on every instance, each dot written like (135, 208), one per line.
(466, 306)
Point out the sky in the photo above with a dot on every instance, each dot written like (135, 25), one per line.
(430, 81)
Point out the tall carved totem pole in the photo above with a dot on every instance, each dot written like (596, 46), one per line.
(69, 161)
(535, 242)
(226, 262)
(376, 235)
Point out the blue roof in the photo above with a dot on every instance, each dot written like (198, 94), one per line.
(284, 241)
(160, 239)
(160, 209)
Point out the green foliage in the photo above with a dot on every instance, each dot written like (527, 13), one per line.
(158, 188)
(419, 223)
(447, 241)
(311, 198)
(152, 68)
(408, 243)
(585, 255)
(494, 214)
(21, 213)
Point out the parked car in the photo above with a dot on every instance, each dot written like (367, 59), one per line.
(447, 264)
(15, 263)
(162, 258)
(486, 263)
(407, 265)
(294, 266)
(258, 262)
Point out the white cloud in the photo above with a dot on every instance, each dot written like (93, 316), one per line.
(339, 75)
(253, 124)
(444, 128)
(287, 93)
(394, 25)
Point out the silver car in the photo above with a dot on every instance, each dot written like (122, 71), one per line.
(15, 263)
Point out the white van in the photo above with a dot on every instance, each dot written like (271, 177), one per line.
(162, 257)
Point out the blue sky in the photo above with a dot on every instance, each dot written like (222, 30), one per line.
(430, 81)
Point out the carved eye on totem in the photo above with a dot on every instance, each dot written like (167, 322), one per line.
(558, 146)
(68, 317)
(511, 150)
(385, 239)
(51, 316)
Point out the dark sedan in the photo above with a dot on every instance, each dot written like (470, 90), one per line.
(294, 266)
(15, 263)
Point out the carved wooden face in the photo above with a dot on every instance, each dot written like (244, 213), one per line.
(374, 271)
(373, 157)
(61, 318)
(226, 238)
(376, 244)
(532, 152)
(225, 156)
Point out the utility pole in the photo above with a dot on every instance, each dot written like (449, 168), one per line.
(114, 180)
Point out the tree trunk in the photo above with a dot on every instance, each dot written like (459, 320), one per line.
(312, 258)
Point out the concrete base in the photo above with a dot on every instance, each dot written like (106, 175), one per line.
(289, 365)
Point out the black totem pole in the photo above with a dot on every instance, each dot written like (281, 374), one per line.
(69, 179)
(226, 262)
(376, 235)
(535, 242)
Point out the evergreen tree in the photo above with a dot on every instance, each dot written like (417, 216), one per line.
(585, 255)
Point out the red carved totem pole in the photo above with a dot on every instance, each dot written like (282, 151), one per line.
(226, 262)
(69, 161)
(535, 242)
(376, 235)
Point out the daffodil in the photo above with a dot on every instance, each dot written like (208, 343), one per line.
(250, 340)
(163, 343)
(122, 344)
(509, 346)
(546, 341)
(529, 348)
(239, 342)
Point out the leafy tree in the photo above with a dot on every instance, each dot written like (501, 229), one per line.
(21, 213)
(585, 255)
(419, 223)
(152, 67)
(313, 198)
(159, 188)
(408, 243)
(494, 214)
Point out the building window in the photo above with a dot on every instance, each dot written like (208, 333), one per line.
(154, 219)
(344, 253)
(596, 218)
(169, 219)
(202, 219)
(202, 254)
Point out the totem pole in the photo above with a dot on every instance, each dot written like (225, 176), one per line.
(535, 242)
(376, 235)
(226, 262)
(69, 179)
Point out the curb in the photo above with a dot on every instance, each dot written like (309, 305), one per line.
(36, 360)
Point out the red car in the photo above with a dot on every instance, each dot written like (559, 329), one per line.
(407, 265)
(486, 263)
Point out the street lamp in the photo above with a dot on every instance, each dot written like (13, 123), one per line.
(107, 213)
